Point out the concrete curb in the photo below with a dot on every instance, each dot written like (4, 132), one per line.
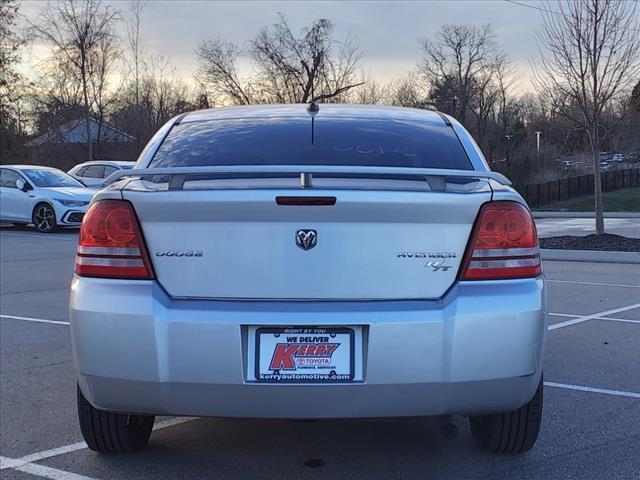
(540, 214)
(595, 256)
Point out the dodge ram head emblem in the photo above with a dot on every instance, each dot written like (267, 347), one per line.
(306, 239)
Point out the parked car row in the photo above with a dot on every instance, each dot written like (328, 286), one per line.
(49, 198)
(607, 162)
(620, 157)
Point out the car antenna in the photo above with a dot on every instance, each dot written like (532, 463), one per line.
(312, 109)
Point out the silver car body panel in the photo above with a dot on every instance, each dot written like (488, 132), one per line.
(248, 248)
(429, 344)
(479, 349)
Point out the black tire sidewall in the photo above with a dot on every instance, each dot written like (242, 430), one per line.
(510, 432)
(112, 432)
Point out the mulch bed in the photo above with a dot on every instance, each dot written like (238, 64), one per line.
(604, 242)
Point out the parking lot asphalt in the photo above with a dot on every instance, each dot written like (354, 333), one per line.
(591, 426)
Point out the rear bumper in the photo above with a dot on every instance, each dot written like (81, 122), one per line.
(477, 350)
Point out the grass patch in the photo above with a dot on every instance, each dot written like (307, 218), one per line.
(623, 200)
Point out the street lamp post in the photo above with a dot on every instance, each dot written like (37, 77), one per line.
(538, 144)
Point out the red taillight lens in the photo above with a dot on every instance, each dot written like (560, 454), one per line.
(111, 243)
(504, 244)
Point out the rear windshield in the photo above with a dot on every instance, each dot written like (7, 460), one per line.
(348, 142)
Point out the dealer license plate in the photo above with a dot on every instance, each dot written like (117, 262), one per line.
(291, 354)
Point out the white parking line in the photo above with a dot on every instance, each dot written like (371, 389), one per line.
(25, 464)
(627, 320)
(580, 388)
(595, 283)
(54, 452)
(41, 470)
(48, 236)
(36, 320)
(6, 462)
(586, 318)
(624, 320)
(50, 472)
(34, 457)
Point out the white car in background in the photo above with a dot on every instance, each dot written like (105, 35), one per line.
(93, 174)
(44, 196)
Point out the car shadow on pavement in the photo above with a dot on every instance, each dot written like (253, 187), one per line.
(222, 448)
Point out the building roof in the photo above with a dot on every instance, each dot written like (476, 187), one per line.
(16, 166)
(75, 132)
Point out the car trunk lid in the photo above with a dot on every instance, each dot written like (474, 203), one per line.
(373, 245)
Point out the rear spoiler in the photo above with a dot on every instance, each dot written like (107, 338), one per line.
(178, 175)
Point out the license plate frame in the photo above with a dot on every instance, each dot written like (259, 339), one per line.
(311, 377)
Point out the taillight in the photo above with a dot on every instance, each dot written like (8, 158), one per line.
(503, 245)
(111, 243)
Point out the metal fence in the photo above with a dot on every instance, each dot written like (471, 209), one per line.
(541, 194)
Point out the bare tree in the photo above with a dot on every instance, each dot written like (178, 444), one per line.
(300, 69)
(290, 68)
(634, 100)
(56, 98)
(589, 53)
(101, 63)
(58, 75)
(506, 105)
(218, 71)
(76, 29)
(407, 91)
(10, 79)
(161, 95)
(505, 112)
(458, 62)
(10, 41)
(134, 20)
(372, 92)
(485, 94)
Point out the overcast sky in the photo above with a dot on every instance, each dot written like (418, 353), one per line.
(387, 32)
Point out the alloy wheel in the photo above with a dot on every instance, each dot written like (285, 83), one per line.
(44, 218)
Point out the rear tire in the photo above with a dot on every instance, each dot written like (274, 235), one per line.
(108, 432)
(510, 432)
